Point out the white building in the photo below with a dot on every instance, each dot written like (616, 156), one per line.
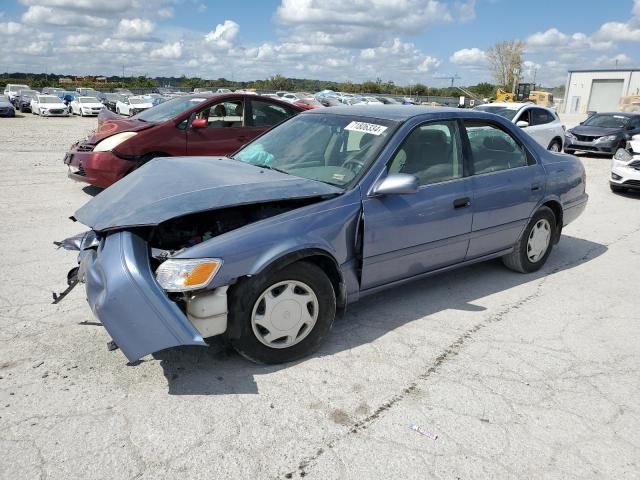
(599, 90)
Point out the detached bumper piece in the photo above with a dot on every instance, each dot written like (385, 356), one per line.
(124, 295)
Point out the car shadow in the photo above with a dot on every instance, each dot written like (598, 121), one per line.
(92, 190)
(218, 370)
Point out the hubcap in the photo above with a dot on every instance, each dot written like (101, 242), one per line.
(538, 242)
(284, 314)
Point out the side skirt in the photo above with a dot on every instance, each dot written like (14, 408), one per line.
(379, 288)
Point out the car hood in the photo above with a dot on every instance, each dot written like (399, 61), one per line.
(167, 188)
(53, 105)
(595, 131)
(110, 123)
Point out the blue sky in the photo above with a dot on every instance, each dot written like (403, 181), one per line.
(406, 41)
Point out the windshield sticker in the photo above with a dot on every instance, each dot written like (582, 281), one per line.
(364, 127)
(198, 100)
(338, 176)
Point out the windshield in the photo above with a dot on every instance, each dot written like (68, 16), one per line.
(329, 148)
(607, 121)
(170, 109)
(17, 88)
(88, 100)
(505, 112)
(137, 101)
(49, 99)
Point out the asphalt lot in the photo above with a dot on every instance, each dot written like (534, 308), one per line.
(519, 376)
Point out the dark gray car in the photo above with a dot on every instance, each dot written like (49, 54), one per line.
(326, 208)
(602, 133)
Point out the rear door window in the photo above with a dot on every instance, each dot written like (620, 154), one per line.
(541, 117)
(493, 149)
(267, 114)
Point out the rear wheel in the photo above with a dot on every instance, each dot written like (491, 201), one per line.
(535, 243)
(283, 315)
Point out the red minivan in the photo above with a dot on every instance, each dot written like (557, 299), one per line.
(201, 125)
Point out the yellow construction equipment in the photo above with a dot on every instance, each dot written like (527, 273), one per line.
(525, 93)
(630, 103)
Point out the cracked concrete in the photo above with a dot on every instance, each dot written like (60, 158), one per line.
(519, 376)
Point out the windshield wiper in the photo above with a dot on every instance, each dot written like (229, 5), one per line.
(270, 167)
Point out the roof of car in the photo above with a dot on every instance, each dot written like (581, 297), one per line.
(385, 112)
(619, 114)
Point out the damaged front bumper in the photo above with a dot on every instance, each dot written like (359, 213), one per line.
(138, 314)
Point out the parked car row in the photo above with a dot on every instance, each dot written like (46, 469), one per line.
(264, 245)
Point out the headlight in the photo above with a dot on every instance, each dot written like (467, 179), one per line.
(608, 138)
(622, 156)
(177, 275)
(113, 141)
(570, 134)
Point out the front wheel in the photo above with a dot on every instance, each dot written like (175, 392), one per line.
(535, 243)
(283, 315)
(555, 146)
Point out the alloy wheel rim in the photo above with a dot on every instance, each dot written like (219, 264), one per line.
(284, 314)
(538, 241)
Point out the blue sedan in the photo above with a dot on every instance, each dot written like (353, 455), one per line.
(328, 207)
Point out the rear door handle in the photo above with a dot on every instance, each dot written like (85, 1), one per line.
(535, 187)
(461, 202)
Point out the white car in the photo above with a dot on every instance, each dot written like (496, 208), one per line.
(12, 89)
(132, 105)
(86, 106)
(625, 167)
(543, 124)
(48, 106)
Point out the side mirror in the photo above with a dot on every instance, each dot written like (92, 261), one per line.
(396, 184)
(200, 123)
(522, 124)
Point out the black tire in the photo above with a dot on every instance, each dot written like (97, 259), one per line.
(557, 143)
(244, 295)
(147, 158)
(518, 260)
(617, 189)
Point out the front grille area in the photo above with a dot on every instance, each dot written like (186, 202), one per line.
(632, 183)
(55, 111)
(583, 138)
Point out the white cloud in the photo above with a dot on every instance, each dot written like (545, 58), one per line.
(121, 46)
(465, 11)
(468, 56)
(11, 28)
(165, 13)
(134, 28)
(93, 7)
(39, 15)
(34, 48)
(223, 35)
(555, 39)
(618, 32)
(170, 50)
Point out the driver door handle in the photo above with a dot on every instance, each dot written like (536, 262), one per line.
(461, 202)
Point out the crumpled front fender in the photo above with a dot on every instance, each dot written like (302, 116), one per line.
(124, 295)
